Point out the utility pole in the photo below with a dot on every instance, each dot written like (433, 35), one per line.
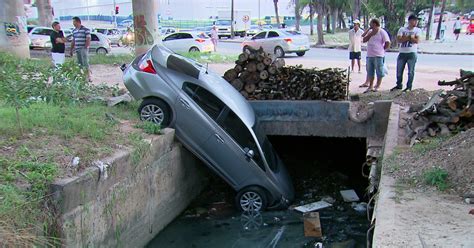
(145, 22)
(258, 12)
(45, 12)
(232, 19)
(115, 15)
(13, 32)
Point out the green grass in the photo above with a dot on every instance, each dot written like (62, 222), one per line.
(211, 57)
(428, 144)
(437, 177)
(111, 59)
(149, 127)
(336, 38)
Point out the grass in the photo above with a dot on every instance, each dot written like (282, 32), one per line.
(119, 59)
(437, 177)
(149, 127)
(210, 57)
(336, 38)
(428, 144)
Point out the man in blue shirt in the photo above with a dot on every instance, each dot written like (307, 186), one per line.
(81, 42)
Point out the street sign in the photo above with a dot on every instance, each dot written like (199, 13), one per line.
(246, 18)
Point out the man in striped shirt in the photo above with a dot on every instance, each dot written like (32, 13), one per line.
(80, 44)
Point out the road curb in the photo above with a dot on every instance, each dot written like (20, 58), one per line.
(344, 47)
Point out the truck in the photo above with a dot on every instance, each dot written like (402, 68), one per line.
(241, 23)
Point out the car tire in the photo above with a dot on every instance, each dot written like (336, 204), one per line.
(155, 110)
(301, 54)
(252, 198)
(194, 50)
(101, 50)
(279, 52)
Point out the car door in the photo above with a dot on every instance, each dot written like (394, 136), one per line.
(257, 39)
(229, 145)
(185, 41)
(196, 112)
(272, 41)
(170, 41)
(95, 43)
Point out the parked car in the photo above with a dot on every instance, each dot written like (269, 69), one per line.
(125, 23)
(279, 42)
(188, 42)
(29, 28)
(167, 30)
(206, 30)
(253, 30)
(40, 37)
(112, 34)
(213, 121)
(99, 44)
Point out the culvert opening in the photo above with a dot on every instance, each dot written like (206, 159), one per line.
(319, 168)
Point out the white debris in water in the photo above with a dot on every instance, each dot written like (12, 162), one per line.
(313, 206)
(359, 207)
(102, 169)
(349, 195)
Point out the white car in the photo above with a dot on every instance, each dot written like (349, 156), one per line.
(112, 34)
(188, 42)
(40, 37)
(279, 42)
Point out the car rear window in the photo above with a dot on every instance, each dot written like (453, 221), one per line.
(202, 36)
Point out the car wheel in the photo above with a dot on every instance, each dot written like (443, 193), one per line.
(301, 54)
(279, 52)
(251, 199)
(101, 50)
(194, 50)
(156, 111)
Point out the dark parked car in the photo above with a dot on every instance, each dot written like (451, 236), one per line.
(214, 122)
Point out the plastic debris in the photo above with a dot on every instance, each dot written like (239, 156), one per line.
(313, 206)
(349, 195)
(75, 161)
(359, 207)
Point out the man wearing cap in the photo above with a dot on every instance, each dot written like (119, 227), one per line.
(355, 45)
(408, 38)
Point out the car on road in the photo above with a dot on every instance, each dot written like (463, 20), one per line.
(125, 23)
(167, 30)
(214, 121)
(206, 30)
(99, 44)
(253, 30)
(40, 37)
(188, 42)
(112, 34)
(279, 42)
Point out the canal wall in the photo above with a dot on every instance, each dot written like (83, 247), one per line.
(132, 198)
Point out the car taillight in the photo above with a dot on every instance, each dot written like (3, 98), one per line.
(146, 65)
(288, 40)
(200, 40)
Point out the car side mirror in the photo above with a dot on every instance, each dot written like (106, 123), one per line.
(249, 153)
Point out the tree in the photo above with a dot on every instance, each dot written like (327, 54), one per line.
(275, 4)
(45, 12)
(297, 14)
(430, 20)
(355, 9)
(311, 15)
(438, 31)
(320, 10)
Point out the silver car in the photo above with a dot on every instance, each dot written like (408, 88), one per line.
(214, 122)
(40, 37)
(279, 42)
(99, 44)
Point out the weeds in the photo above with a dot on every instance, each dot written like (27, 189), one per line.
(210, 57)
(140, 148)
(118, 59)
(149, 127)
(436, 177)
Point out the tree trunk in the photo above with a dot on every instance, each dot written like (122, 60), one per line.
(355, 9)
(430, 19)
(45, 12)
(319, 25)
(275, 4)
(311, 17)
(342, 23)
(438, 30)
(334, 15)
(328, 22)
(297, 15)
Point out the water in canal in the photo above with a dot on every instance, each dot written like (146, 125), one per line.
(319, 167)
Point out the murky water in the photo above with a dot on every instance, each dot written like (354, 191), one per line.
(317, 171)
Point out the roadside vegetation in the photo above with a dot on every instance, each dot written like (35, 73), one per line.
(49, 119)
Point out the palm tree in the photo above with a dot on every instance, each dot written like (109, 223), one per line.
(275, 4)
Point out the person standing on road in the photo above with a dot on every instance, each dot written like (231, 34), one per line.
(57, 44)
(81, 41)
(408, 37)
(457, 27)
(214, 37)
(355, 45)
(377, 42)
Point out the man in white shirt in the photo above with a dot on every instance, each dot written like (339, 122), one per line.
(457, 27)
(408, 38)
(355, 39)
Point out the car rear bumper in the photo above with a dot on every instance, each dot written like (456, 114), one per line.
(297, 48)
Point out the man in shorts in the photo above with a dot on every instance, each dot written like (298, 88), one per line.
(355, 45)
(81, 42)
(57, 44)
(377, 42)
(457, 27)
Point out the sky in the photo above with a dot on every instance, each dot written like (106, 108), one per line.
(175, 9)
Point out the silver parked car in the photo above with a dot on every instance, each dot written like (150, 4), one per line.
(99, 44)
(279, 42)
(214, 122)
(40, 37)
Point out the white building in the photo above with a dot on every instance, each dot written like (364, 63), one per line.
(172, 9)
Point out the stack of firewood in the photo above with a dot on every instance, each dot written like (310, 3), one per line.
(259, 76)
(445, 112)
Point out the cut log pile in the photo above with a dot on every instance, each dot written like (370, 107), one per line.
(445, 112)
(259, 76)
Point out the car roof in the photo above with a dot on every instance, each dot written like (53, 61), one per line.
(209, 81)
(37, 27)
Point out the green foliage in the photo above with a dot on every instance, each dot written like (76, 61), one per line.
(149, 127)
(210, 57)
(111, 59)
(436, 177)
(140, 148)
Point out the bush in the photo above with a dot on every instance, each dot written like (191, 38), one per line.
(436, 177)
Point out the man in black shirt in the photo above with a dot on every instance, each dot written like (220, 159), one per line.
(57, 42)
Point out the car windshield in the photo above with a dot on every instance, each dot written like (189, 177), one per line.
(267, 148)
(223, 22)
